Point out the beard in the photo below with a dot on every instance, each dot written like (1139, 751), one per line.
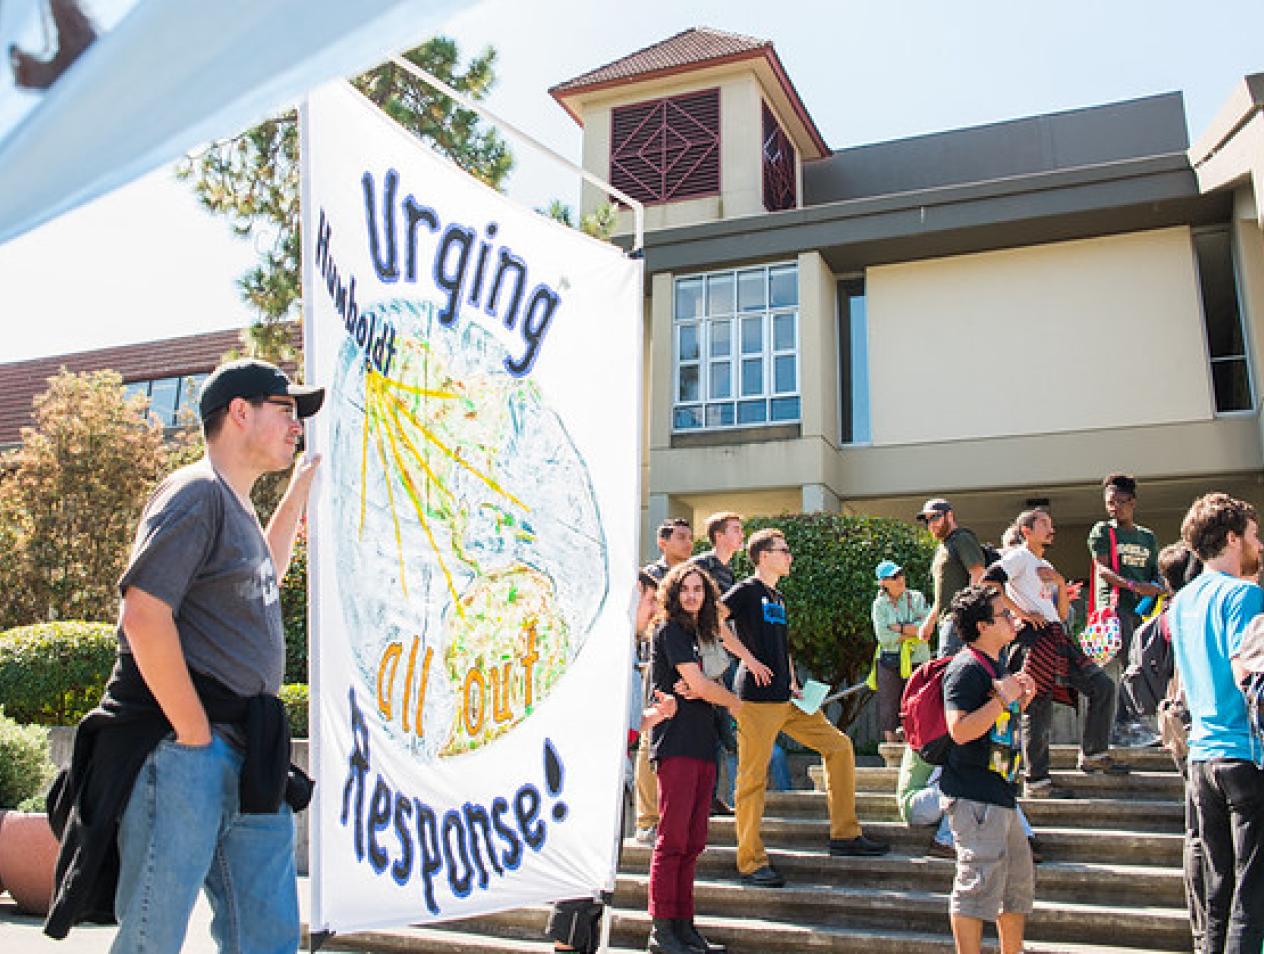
(1250, 563)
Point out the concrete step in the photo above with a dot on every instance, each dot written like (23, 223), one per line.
(1057, 881)
(1088, 882)
(1061, 844)
(742, 935)
(815, 918)
(1139, 785)
(1151, 927)
(1148, 759)
(1150, 815)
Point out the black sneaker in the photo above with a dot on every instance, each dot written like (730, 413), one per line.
(765, 877)
(860, 845)
(1103, 763)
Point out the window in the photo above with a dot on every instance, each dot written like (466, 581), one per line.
(779, 171)
(853, 361)
(667, 149)
(736, 355)
(172, 400)
(1222, 317)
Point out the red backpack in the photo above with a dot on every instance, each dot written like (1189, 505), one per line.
(922, 708)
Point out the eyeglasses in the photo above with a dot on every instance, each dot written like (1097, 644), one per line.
(929, 518)
(291, 409)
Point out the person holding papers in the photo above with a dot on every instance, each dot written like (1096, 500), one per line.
(766, 684)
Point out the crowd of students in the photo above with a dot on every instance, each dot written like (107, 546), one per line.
(718, 658)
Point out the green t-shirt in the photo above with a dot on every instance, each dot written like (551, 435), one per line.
(1138, 560)
(950, 566)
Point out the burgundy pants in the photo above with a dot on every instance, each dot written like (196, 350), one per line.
(684, 805)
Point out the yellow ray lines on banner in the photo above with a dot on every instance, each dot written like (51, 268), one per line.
(371, 421)
(377, 410)
(455, 456)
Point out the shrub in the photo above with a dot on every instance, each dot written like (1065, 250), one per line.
(293, 696)
(53, 673)
(294, 610)
(831, 585)
(25, 768)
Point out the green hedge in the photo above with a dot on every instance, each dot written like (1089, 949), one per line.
(25, 768)
(294, 610)
(293, 696)
(53, 673)
(831, 584)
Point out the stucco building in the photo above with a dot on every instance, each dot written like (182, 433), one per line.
(1001, 314)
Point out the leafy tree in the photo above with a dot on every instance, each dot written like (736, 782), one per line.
(253, 179)
(69, 504)
(599, 223)
(831, 586)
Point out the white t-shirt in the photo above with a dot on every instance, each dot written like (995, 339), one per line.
(1025, 587)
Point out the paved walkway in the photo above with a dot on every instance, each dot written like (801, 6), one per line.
(20, 934)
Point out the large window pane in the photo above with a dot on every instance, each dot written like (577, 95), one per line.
(752, 376)
(163, 397)
(687, 418)
(751, 290)
(689, 298)
(853, 343)
(783, 286)
(737, 338)
(752, 336)
(689, 383)
(783, 333)
(688, 343)
(720, 294)
(721, 379)
(136, 388)
(719, 415)
(721, 339)
(783, 374)
(752, 412)
(1232, 385)
(785, 409)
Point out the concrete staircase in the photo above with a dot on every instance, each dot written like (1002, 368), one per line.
(1110, 882)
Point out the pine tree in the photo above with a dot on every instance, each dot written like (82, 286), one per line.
(253, 179)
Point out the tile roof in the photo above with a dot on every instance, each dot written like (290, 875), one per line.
(22, 381)
(691, 47)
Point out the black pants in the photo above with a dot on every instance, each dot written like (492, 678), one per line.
(1229, 797)
(1098, 690)
(1192, 863)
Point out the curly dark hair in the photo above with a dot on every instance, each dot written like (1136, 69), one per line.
(972, 608)
(707, 625)
(1211, 518)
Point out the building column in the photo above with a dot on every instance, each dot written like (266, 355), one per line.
(817, 498)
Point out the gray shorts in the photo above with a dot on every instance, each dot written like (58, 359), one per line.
(994, 869)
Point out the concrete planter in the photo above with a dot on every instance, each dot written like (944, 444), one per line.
(28, 854)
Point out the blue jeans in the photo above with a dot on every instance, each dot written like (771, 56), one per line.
(182, 831)
(926, 808)
(778, 771)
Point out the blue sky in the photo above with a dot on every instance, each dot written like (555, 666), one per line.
(145, 262)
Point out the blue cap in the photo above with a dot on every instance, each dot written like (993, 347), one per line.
(887, 569)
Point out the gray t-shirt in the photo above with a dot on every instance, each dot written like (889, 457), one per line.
(203, 554)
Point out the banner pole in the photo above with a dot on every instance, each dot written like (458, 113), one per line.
(638, 210)
(314, 867)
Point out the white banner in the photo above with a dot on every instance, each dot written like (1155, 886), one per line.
(473, 546)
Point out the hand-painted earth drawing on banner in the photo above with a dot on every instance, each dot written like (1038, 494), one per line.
(471, 528)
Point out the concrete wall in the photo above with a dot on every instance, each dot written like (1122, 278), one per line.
(976, 346)
(741, 147)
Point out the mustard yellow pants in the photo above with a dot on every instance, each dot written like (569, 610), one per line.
(757, 726)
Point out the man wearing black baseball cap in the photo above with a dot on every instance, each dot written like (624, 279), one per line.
(184, 769)
(958, 562)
